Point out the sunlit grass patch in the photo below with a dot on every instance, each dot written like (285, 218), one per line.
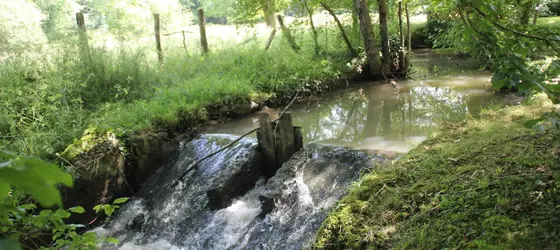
(489, 183)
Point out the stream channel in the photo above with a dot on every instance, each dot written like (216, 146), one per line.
(343, 131)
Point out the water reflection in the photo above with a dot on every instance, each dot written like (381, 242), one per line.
(378, 116)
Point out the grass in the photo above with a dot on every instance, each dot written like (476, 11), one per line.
(550, 22)
(50, 99)
(489, 183)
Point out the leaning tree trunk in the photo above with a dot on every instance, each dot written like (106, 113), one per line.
(372, 52)
(409, 36)
(384, 34)
(341, 28)
(355, 23)
(536, 14)
(313, 30)
(402, 53)
(269, 13)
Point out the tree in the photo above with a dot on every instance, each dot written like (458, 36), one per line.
(372, 52)
(340, 28)
(383, 25)
(20, 27)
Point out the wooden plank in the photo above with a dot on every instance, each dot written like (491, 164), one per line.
(298, 138)
(285, 147)
(266, 143)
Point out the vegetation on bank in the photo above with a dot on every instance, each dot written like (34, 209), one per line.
(487, 183)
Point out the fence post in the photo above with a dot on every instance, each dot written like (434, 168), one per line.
(202, 27)
(285, 146)
(84, 44)
(265, 138)
(158, 38)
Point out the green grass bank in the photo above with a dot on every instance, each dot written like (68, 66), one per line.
(49, 99)
(488, 183)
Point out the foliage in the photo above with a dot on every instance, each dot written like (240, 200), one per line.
(20, 26)
(489, 183)
(22, 221)
(480, 29)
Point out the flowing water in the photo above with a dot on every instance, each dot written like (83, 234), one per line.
(378, 116)
(285, 211)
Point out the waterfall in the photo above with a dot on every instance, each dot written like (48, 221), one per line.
(283, 212)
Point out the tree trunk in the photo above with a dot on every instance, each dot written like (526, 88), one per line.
(202, 28)
(313, 30)
(536, 14)
(384, 34)
(355, 23)
(287, 34)
(372, 52)
(341, 28)
(402, 58)
(409, 36)
(269, 13)
(270, 39)
(525, 13)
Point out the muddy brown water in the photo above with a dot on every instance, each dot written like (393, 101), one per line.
(375, 115)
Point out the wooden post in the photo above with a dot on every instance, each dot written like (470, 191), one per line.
(202, 27)
(185, 42)
(298, 138)
(84, 44)
(287, 34)
(158, 39)
(285, 147)
(269, 42)
(266, 142)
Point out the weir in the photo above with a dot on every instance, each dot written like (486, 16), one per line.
(270, 192)
(278, 141)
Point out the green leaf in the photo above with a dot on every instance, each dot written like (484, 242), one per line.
(77, 210)
(6, 244)
(120, 201)
(108, 210)
(63, 214)
(97, 208)
(37, 178)
(499, 84)
(532, 123)
(4, 189)
(112, 240)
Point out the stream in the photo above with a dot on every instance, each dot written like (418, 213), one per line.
(344, 131)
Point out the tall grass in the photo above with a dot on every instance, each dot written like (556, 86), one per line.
(49, 102)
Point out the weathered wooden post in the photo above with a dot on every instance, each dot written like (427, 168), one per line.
(265, 138)
(280, 143)
(158, 38)
(287, 34)
(84, 44)
(285, 147)
(202, 27)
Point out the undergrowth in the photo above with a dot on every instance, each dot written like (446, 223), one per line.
(51, 97)
(489, 183)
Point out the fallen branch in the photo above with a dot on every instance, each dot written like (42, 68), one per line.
(195, 164)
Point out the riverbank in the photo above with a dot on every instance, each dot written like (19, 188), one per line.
(489, 183)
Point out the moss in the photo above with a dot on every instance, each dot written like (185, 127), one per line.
(89, 140)
(488, 183)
